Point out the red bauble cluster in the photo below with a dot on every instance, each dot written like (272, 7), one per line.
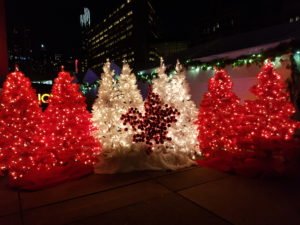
(152, 127)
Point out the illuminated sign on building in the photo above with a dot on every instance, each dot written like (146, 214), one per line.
(43, 98)
(85, 18)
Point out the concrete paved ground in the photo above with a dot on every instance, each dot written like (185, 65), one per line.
(190, 196)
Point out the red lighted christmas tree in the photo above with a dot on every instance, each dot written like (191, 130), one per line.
(268, 117)
(21, 142)
(68, 124)
(219, 116)
(152, 127)
(49, 148)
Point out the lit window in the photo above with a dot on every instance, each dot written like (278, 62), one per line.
(129, 27)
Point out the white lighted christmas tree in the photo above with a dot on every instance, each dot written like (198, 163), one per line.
(114, 99)
(175, 92)
(158, 84)
(105, 116)
(129, 96)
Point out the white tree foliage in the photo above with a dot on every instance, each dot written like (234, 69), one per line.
(174, 91)
(114, 99)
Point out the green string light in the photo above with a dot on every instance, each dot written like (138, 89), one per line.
(246, 60)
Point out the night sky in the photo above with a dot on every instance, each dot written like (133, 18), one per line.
(55, 23)
(52, 23)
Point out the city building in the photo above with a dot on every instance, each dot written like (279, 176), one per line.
(126, 33)
(35, 60)
(169, 48)
(224, 18)
(3, 42)
(19, 47)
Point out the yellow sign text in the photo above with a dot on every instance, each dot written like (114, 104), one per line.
(43, 98)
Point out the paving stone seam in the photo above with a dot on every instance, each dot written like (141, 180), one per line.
(20, 209)
(181, 189)
(199, 206)
(103, 213)
(123, 207)
(109, 211)
(148, 178)
(86, 195)
(205, 182)
(173, 172)
(207, 210)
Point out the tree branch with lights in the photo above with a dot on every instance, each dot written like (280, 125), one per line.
(174, 91)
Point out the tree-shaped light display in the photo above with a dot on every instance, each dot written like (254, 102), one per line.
(268, 117)
(114, 99)
(68, 124)
(129, 96)
(219, 117)
(22, 140)
(175, 92)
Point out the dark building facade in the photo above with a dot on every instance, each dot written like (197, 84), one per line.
(36, 61)
(169, 48)
(222, 18)
(3, 42)
(126, 33)
(19, 47)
